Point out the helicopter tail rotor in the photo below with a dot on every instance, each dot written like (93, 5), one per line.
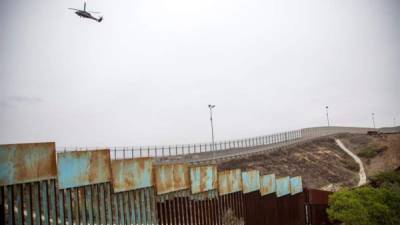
(100, 19)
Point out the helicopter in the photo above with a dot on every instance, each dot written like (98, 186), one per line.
(86, 14)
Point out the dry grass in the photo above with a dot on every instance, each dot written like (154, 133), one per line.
(229, 218)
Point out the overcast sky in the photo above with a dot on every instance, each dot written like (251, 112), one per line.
(145, 75)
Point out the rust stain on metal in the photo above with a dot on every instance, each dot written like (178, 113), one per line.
(251, 181)
(132, 174)
(203, 178)
(229, 181)
(83, 168)
(22, 163)
(171, 177)
(267, 184)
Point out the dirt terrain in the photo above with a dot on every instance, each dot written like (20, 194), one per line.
(322, 162)
(388, 159)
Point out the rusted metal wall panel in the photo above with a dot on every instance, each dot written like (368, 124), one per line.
(296, 185)
(267, 184)
(251, 181)
(83, 168)
(318, 197)
(131, 174)
(282, 186)
(229, 181)
(171, 177)
(203, 178)
(22, 163)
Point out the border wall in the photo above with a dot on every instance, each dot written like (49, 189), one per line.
(40, 186)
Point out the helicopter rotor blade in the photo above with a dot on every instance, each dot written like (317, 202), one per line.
(74, 9)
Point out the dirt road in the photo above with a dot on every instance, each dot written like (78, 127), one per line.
(361, 173)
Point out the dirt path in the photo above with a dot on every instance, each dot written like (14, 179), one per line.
(361, 173)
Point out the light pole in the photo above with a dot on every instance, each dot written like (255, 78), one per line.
(327, 114)
(212, 126)
(373, 119)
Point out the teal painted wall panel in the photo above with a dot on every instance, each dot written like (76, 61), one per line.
(251, 181)
(282, 186)
(229, 181)
(171, 177)
(267, 184)
(81, 168)
(203, 178)
(132, 174)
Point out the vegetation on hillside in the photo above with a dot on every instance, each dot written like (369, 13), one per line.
(378, 204)
(371, 151)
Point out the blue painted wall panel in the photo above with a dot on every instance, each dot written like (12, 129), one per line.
(296, 185)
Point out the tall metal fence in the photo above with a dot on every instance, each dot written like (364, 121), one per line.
(184, 152)
(40, 186)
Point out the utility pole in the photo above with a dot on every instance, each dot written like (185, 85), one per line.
(327, 114)
(373, 119)
(212, 126)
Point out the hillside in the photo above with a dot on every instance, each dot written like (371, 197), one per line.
(321, 162)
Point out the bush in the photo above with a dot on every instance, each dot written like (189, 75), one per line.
(371, 151)
(386, 179)
(368, 205)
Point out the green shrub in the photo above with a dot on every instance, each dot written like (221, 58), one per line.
(386, 179)
(368, 205)
(371, 151)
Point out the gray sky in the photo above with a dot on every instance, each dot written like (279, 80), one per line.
(146, 74)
